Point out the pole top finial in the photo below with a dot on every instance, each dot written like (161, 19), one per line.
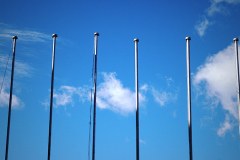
(188, 38)
(136, 40)
(54, 35)
(235, 39)
(96, 34)
(14, 37)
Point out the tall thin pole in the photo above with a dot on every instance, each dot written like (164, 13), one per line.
(10, 98)
(137, 98)
(238, 85)
(189, 96)
(95, 94)
(54, 36)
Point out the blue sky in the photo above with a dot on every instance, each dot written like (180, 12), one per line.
(161, 27)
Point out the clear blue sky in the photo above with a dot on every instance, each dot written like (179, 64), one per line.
(161, 27)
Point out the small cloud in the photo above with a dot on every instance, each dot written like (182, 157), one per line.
(216, 7)
(144, 87)
(206, 120)
(175, 114)
(112, 95)
(64, 95)
(141, 141)
(169, 81)
(226, 126)
(4, 100)
(22, 70)
(163, 97)
(202, 26)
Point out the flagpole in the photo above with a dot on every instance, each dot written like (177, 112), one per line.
(54, 36)
(95, 94)
(10, 98)
(238, 85)
(137, 98)
(189, 96)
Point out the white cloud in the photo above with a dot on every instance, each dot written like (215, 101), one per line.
(217, 79)
(64, 95)
(163, 97)
(169, 81)
(4, 100)
(22, 70)
(112, 95)
(141, 141)
(23, 35)
(144, 87)
(175, 114)
(225, 127)
(215, 7)
(202, 26)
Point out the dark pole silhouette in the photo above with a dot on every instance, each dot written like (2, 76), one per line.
(54, 36)
(10, 98)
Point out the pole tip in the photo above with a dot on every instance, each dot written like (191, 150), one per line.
(188, 38)
(136, 40)
(54, 35)
(96, 34)
(14, 37)
(235, 39)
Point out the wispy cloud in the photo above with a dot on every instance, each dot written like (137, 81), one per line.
(144, 87)
(64, 95)
(6, 31)
(141, 141)
(20, 70)
(163, 97)
(216, 7)
(226, 126)
(201, 26)
(175, 114)
(217, 80)
(4, 100)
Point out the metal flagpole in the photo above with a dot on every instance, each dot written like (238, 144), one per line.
(189, 96)
(10, 99)
(95, 94)
(238, 85)
(137, 99)
(54, 36)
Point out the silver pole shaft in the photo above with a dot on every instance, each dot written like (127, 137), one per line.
(95, 94)
(137, 98)
(10, 99)
(189, 96)
(238, 85)
(51, 98)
